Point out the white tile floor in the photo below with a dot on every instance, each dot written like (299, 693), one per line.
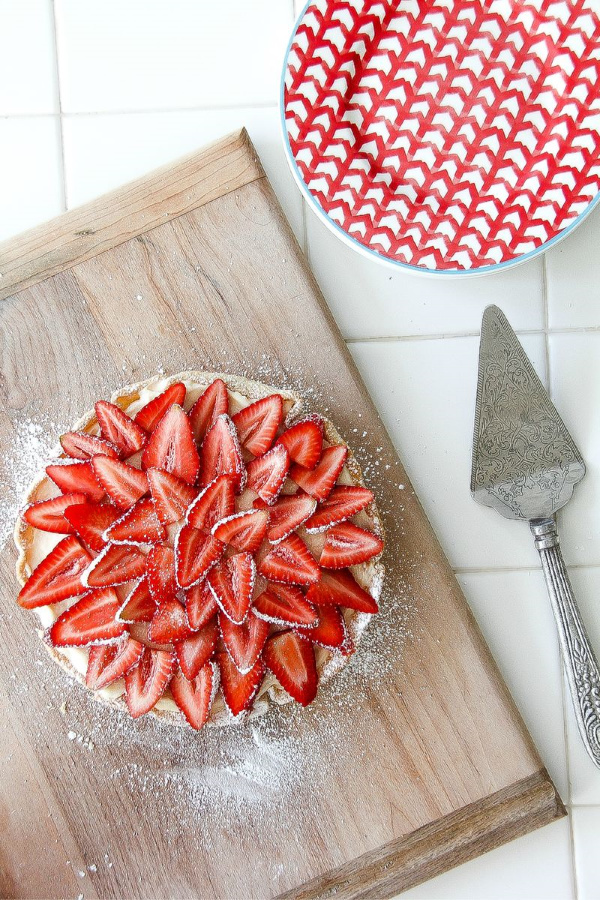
(133, 85)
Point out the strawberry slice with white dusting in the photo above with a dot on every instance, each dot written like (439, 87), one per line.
(244, 642)
(291, 659)
(214, 402)
(146, 683)
(81, 445)
(76, 477)
(90, 520)
(239, 690)
(195, 553)
(318, 482)
(160, 572)
(48, 515)
(108, 662)
(330, 631)
(139, 525)
(232, 583)
(150, 415)
(169, 623)
(344, 501)
(290, 561)
(116, 564)
(139, 604)
(288, 513)
(195, 651)
(123, 483)
(215, 502)
(244, 530)
(92, 620)
(341, 589)
(200, 605)
(258, 423)
(172, 447)
(348, 545)
(285, 604)
(171, 495)
(267, 474)
(119, 429)
(304, 441)
(58, 576)
(221, 454)
(194, 697)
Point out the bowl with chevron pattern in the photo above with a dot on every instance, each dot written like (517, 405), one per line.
(449, 137)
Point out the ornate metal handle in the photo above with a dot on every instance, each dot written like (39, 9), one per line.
(580, 663)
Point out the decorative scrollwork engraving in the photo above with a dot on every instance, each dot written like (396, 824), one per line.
(525, 462)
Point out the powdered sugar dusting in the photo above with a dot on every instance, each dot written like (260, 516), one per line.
(32, 442)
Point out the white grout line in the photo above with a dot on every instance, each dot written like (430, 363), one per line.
(60, 114)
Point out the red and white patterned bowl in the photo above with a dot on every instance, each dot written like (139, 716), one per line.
(446, 136)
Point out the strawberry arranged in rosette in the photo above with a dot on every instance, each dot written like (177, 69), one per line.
(202, 547)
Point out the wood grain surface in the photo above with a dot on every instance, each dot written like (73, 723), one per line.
(422, 764)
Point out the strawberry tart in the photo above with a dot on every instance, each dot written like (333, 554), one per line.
(201, 548)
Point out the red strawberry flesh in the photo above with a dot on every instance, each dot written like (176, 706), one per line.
(90, 520)
(194, 697)
(146, 683)
(172, 447)
(150, 415)
(172, 496)
(195, 651)
(195, 553)
(244, 530)
(116, 564)
(78, 477)
(108, 662)
(119, 429)
(319, 481)
(123, 483)
(81, 445)
(348, 545)
(290, 561)
(285, 604)
(304, 442)
(91, 620)
(58, 576)
(239, 690)
(213, 403)
(291, 658)
(244, 642)
(341, 589)
(258, 423)
(48, 515)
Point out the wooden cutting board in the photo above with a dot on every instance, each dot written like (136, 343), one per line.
(412, 761)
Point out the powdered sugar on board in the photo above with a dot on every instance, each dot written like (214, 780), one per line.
(32, 442)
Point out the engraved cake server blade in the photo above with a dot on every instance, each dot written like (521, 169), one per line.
(525, 466)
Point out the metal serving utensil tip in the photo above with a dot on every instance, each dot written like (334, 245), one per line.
(525, 466)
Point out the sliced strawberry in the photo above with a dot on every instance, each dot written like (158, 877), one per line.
(150, 415)
(58, 576)
(330, 631)
(285, 604)
(341, 589)
(195, 651)
(320, 481)
(48, 515)
(244, 642)
(348, 545)
(107, 662)
(116, 564)
(170, 623)
(171, 495)
(291, 659)
(200, 605)
(207, 408)
(119, 429)
(344, 501)
(304, 441)
(287, 513)
(172, 447)
(80, 445)
(215, 502)
(123, 483)
(239, 690)
(244, 530)
(232, 583)
(92, 620)
(139, 525)
(221, 454)
(257, 424)
(160, 572)
(194, 698)
(139, 605)
(266, 474)
(78, 477)
(146, 683)
(290, 561)
(195, 553)
(90, 520)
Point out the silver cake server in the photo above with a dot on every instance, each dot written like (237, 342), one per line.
(525, 466)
